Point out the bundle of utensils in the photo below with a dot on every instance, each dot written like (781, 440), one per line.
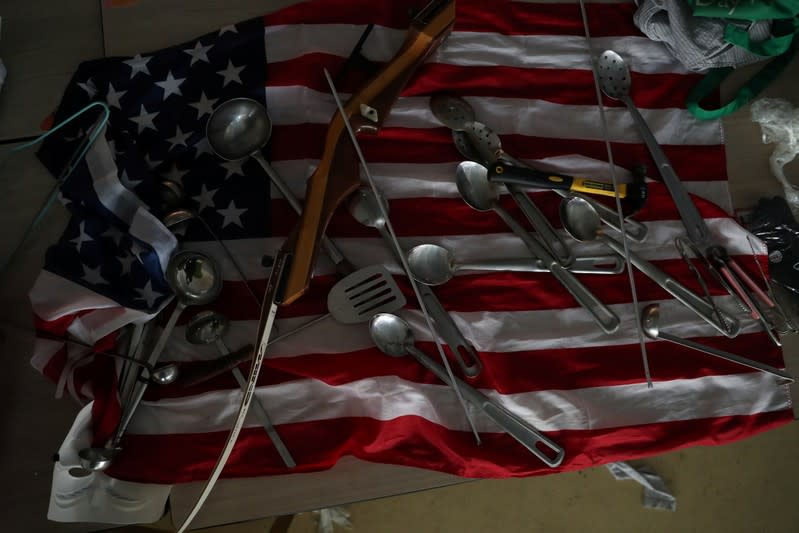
(371, 295)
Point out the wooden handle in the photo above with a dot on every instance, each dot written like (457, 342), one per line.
(337, 175)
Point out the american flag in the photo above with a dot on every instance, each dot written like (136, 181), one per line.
(525, 69)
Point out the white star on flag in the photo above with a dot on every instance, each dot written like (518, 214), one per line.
(127, 262)
(199, 53)
(89, 87)
(151, 162)
(179, 139)
(170, 85)
(138, 64)
(93, 275)
(233, 168)
(232, 29)
(205, 199)
(231, 73)
(204, 106)
(113, 234)
(147, 294)
(127, 181)
(137, 249)
(202, 147)
(232, 215)
(144, 119)
(113, 96)
(82, 237)
(175, 174)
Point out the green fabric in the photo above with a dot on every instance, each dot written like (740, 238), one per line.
(745, 9)
(786, 30)
(749, 91)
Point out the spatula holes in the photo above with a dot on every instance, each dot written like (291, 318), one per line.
(363, 282)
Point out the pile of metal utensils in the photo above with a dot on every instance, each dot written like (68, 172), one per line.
(239, 128)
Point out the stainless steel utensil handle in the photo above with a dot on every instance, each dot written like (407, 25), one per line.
(512, 424)
(603, 316)
(632, 228)
(140, 386)
(127, 378)
(601, 264)
(445, 327)
(726, 355)
(260, 412)
(551, 239)
(343, 266)
(299, 328)
(679, 291)
(693, 221)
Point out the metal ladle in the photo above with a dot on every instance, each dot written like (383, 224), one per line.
(208, 327)
(240, 128)
(195, 279)
(582, 222)
(435, 265)
(481, 195)
(650, 318)
(174, 220)
(394, 337)
(364, 207)
(95, 459)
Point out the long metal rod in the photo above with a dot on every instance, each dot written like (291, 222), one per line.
(260, 411)
(400, 254)
(624, 239)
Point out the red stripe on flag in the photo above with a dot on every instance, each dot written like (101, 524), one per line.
(510, 18)
(434, 145)
(509, 372)
(415, 441)
(560, 86)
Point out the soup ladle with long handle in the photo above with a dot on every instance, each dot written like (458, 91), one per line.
(195, 279)
(94, 458)
(208, 327)
(482, 195)
(394, 337)
(434, 265)
(179, 218)
(240, 128)
(582, 222)
(650, 322)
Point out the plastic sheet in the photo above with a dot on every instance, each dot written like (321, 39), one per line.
(779, 122)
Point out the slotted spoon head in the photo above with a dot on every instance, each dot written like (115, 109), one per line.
(452, 111)
(363, 294)
(485, 142)
(466, 148)
(614, 76)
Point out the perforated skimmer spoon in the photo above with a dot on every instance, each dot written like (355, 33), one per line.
(458, 115)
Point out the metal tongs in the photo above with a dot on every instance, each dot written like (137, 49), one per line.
(723, 267)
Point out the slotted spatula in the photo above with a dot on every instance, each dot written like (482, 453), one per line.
(358, 297)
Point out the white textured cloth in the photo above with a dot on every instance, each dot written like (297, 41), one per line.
(697, 42)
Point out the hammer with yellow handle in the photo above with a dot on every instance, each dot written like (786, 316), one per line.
(530, 177)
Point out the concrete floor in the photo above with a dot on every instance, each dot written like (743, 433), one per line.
(745, 486)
